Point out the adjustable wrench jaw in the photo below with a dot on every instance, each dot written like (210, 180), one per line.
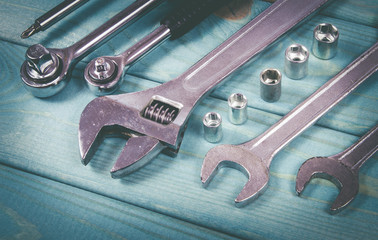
(142, 117)
(243, 160)
(331, 169)
(49, 78)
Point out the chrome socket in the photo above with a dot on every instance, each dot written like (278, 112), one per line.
(212, 126)
(237, 111)
(270, 85)
(296, 61)
(324, 45)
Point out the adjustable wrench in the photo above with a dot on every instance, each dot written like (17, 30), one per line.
(46, 71)
(342, 169)
(155, 119)
(254, 157)
(105, 74)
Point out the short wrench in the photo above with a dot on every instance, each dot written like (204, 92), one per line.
(342, 169)
(46, 71)
(155, 119)
(254, 157)
(105, 74)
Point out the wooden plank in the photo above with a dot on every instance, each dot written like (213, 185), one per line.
(40, 135)
(361, 12)
(32, 207)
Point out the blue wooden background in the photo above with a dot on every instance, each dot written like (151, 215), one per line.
(46, 193)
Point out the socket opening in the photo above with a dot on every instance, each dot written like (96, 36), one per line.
(212, 119)
(297, 53)
(237, 100)
(270, 76)
(326, 32)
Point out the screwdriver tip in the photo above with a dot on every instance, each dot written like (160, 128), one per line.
(30, 31)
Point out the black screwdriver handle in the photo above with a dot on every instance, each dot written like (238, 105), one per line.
(190, 13)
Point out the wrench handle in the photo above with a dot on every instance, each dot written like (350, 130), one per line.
(123, 18)
(357, 154)
(249, 41)
(315, 106)
(190, 14)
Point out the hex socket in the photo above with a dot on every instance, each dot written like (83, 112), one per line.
(212, 126)
(237, 111)
(270, 85)
(296, 61)
(324, 45)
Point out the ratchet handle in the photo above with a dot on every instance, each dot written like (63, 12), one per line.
(191, 13)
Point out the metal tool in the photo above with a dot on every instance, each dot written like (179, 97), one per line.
(270, 85)
(212, 127)
(237, 108)
(51, 17)
(342, 169)
(296, 61)
(155, 119)
(324, 44)
(46, 71)
(105, 74)
(254, 157)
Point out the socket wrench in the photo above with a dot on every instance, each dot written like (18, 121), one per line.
(46, 71)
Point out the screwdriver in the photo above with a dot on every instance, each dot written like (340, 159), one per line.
(52, 16)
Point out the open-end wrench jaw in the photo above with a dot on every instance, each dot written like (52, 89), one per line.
(138, 151)
(239, 158)
(123, 115)
(331, 169)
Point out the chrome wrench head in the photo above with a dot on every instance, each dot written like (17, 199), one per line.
(45, 71)
(149, 121)
(105, 74)
(241, 159)
(342, 169)
(329, 168)
(44, 77)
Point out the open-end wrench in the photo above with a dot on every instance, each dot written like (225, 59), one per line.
(46, 71)
(105, 74)
(342, 169)
(254, 157)
(155, 119)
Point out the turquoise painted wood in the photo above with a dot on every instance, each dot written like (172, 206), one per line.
(41, 208)
(46, 190)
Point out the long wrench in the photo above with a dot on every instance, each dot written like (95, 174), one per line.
(254, 157)
(155, 119)
(105, 74)
(342, 169)
(46, 71)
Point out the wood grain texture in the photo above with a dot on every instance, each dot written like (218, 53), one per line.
(39, 136)
(38, 207)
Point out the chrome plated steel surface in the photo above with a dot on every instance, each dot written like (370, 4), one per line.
(46, 71)
(342, 169)
(254, 157)
(155, 119)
